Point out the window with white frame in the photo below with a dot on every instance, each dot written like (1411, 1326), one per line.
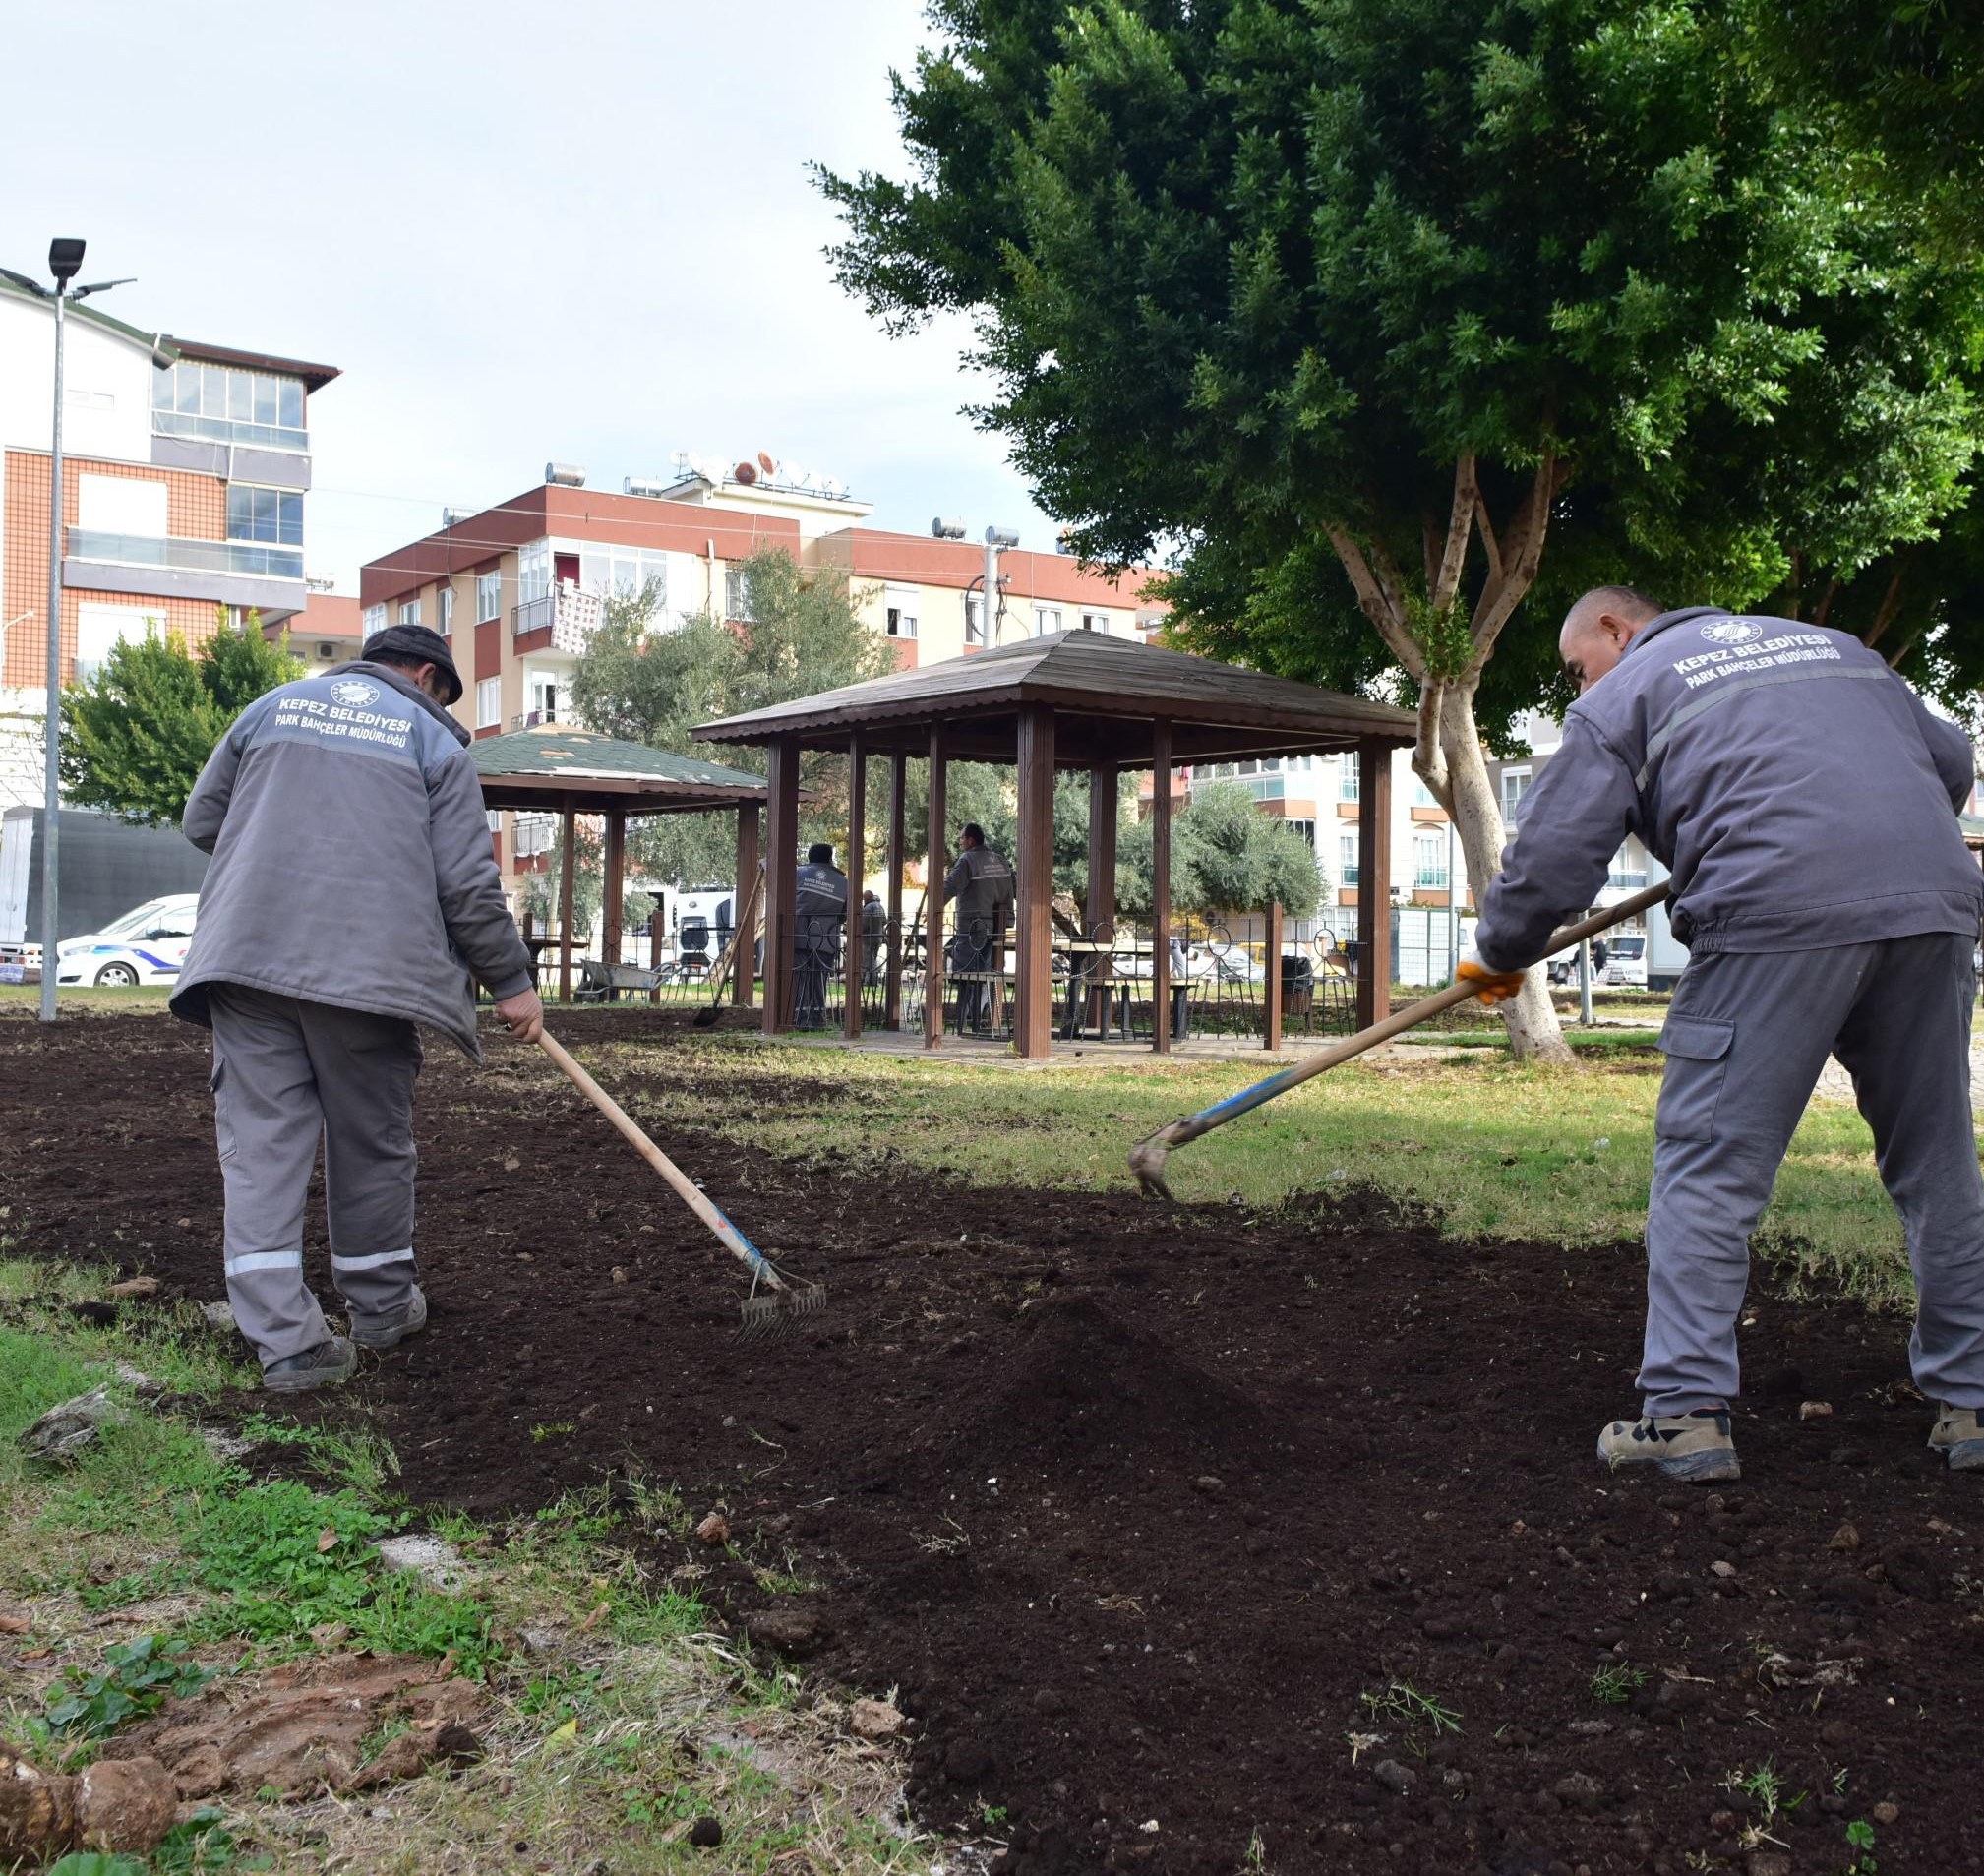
(445, 623)
(372, 620)
(1422, 796)
(488, 594)
(624, 572)
(99, 629)
(1047, 619)
(542, 686)
(1629, 869)
(532, 834)
(488, 703)
(409, 613)
(1306, 828)
(901, 622)
(533, 572)
(1095, 622)
(1347, 786)
(1514, 785)
(265, 515)
(973, 618)
(1429, 862)
(1346, 868)
(737, 594)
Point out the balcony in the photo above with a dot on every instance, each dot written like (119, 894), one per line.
(567, 613)
(247, 558)
(254, 436)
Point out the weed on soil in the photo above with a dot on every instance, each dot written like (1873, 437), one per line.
(1192, 1540)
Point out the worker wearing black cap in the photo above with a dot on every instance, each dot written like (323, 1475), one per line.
(352, 896)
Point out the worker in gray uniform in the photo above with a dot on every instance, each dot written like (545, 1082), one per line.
(822, 911)
(1805, 802)
(352, 896)
(982, 883)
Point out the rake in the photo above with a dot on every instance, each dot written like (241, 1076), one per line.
(783, 1301)
(706, 1018)
(1147, 1157)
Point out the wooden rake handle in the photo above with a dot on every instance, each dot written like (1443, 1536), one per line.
(734, 1241)
(725, 957)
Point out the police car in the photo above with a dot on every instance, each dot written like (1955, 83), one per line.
(146, 946)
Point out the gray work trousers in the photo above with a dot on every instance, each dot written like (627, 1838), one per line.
(287, 1074)
(1745, 1041)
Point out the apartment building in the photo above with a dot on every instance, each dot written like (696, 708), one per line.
(184, 475)
(521, 588)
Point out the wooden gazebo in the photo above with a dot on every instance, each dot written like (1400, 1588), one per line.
(554, 768)
(1069, 699)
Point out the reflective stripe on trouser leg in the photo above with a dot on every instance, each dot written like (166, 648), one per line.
(268, 1121)
(365, 1067)
(1907, 1044)
(1746, 1036)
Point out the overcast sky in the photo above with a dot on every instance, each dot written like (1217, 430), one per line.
(580, 231)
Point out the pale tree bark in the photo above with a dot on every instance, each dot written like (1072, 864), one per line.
(1448, 755)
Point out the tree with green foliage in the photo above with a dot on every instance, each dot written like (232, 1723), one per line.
(1226, 856)
(137, 732)
(1361, 303)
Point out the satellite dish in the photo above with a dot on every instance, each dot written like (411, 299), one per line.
(765, 463)
(744, 474)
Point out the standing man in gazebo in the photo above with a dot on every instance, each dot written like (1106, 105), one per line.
(982, 883)
(815, 945)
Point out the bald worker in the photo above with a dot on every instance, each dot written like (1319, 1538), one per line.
(1805, 804)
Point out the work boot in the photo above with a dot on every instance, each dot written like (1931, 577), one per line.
(1960, 1437)
(325, 1366)
(1693, 1446)
(389, 1331)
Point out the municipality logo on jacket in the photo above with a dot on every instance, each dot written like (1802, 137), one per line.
(1733, 631)
(354, 693)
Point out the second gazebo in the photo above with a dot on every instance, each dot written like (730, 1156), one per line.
(1069, 699)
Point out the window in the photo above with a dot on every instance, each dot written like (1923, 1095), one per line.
(489, 595)
(1347, 778)
(624, 572)
(1347, 870)
(409, 613)
(1514, 785)
(1095, 622)
(1306, 828)
(901, 624)
(1422, 796)
(532, 834)
(1628, 872)
(737, 594)
(121, 505)
(534, 575)
(98, 628)
(973, 618)
(1429, 861)
(445, 623)
(372, 620)
(1047, 619)
(543, 689)
(488, 703)
(225, 405)
(265, 515)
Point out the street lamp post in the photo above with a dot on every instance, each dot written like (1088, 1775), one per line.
(996, 541)
(65, 260)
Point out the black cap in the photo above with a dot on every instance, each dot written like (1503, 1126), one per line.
(415, 644)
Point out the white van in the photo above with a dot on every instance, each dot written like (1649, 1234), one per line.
(146, 946)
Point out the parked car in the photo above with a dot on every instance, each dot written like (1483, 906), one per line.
(146, 946)
(1626, 959)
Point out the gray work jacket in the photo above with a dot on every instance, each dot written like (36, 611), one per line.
(982, 883)
(352, 858)
(1794, 787)
(821, 905)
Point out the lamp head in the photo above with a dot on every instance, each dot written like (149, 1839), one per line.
(65, 258)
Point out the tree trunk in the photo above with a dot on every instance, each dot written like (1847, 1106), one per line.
(1534, 1034)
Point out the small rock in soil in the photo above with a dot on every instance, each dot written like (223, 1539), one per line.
(793, 1631)
(134, 1287)
(705, 1833)
(1723, 1567)
(1766, 1863)
(1393, 1776)
(1814, 1410)
(714, 1528)
(1886, 1813)
(1208, 1483)
(67, 1427)
(437, 1562)
(1580, 1790)
(219, 1315)
(875, 1720)
(1846, 1537)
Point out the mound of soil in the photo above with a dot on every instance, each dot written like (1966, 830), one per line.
(1178, 1531)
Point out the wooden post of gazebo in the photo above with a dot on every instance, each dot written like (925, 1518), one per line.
(934, 866)
(781, 881)
(1102, 893)
(1161, 886)
(1374, 882)
(746, 919)
(616, 874)
(566, 872)
(854, 945)
(1033, 1005)
(1271, 985)
(891, 1011)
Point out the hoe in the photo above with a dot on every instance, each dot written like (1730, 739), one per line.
(1147, 1157)
(782, 1302)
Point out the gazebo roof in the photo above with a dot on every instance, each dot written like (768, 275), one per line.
(1104, 691)
(553, 765)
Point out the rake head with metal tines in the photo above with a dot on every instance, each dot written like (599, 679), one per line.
(1147, 1162)
(769, 1315)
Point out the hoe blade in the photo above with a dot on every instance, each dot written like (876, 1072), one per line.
(1147, 1162)
(768, 1316)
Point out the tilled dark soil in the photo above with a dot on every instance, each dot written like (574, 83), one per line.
(1166, 1524)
